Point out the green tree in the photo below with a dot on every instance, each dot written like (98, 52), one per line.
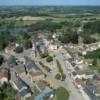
(49, 59)
(1, 59)
(18, 49)
(7, 92)
(94, 62)
(25, 36)
(58, 76)
(28, 44)
(65, 38)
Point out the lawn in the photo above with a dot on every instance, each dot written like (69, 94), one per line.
(97, 67)
(61, 94)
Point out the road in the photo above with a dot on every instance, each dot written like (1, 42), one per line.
(74, 93)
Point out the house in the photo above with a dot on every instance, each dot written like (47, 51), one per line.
(23, 90)
(52, 46)
(28, 72)
(90, 89)
(93, 88)
(42, 84)
(36, 75)
(9, 49)
(12, 61)
(41, 48)
(19, 69)
(96, 82)
(82, 66)
(79, 83)
(44, 95)
(3, 75)
(82, 74)
(30, 64)
(91, 47)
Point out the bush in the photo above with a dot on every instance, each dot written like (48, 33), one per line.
(44, 55)
(58, 76)
(1, 59)
(63, 77)
(18, 49)
(45, 67)
(93, 54)
(49, 59)
(28, 44)
(59, 67)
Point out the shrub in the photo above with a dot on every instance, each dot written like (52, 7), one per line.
(58, 76)
(18, 49)
(45, 67)
(63, 77)
(49, 59)
(28, 44)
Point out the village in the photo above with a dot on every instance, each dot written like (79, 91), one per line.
(37, 72)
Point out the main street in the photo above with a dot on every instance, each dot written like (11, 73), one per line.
(74, 93)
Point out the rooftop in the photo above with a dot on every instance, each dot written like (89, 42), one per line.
(45, 93)
(20, 84)
(30, 64)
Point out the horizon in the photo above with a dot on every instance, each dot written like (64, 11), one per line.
(49, 3)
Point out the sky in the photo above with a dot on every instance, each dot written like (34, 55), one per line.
(49, 2)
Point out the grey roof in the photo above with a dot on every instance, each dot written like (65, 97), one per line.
(11, 61)
(89, 73)
(20, 84)
(19, 68)
(45, 93)
(91, 95)
(30, 64)
(90, 89)
(24, 92)
(74, 73)
(76, 68)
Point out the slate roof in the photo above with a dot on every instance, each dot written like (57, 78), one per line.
(45, 93)
(19, 69)
(30, 64)
(11, 61)
(20, 84)
(24, 92)
(90, 89)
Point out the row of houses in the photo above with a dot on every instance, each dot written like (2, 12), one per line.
(24, 76)
(86, 80)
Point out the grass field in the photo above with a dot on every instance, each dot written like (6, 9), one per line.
(61, 94)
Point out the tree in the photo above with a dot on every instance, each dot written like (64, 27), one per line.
(87, 39)
(1, 59)
(49, 59)
(65, 38)
(44, 55)
(28, 44)
(5, 39)
(7, 92)
(94, 62)
(74, 37)
(58, 76)
(18, 49)
(63, 77)
(25, 36)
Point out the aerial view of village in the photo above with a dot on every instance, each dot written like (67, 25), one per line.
(49, 50)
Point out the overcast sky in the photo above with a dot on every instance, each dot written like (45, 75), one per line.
(49, 2)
